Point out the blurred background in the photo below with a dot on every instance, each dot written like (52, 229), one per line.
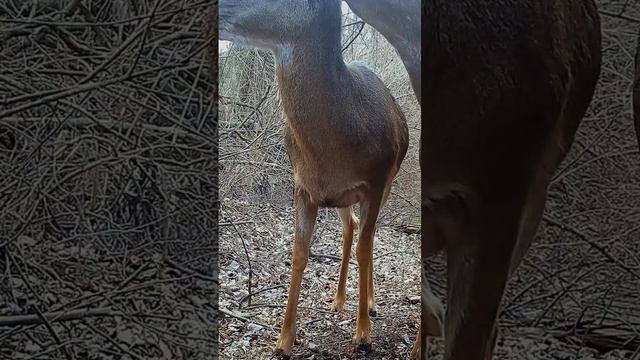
(107, 180)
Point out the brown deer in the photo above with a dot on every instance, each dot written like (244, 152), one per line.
(399, 22)
(345, 135)
(506, 84)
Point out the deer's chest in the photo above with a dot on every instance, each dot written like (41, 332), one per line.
(323, 174)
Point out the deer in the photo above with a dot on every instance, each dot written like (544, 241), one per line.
(345, 135)
(398, 21)
(505, 87)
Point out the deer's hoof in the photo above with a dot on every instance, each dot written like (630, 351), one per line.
(280, 354)
(364, 348)
(283, 347)
(338, 304)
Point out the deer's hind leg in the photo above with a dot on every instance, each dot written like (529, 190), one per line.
(432, 319)
(349, 224)
(478, 264)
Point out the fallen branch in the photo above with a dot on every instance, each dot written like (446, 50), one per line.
(31, 319)
(240, 317)
(109, 124)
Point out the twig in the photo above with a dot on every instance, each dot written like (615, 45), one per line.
(39, 314)
(563, 292)
(240, 317)
(113, 342)
(619, 16)
(361, 23)
(244, 298)
(30, 319)
(246, 252)
(184, 269)
(601, 249)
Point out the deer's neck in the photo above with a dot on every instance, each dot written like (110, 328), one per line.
(310, 79)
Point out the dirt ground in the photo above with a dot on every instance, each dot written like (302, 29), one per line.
(322, 334)
(249, 331)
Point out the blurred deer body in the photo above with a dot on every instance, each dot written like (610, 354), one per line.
(345, 135)
(399, 22)
(506, 85)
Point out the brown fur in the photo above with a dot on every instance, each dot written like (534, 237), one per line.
(345, 134)
(506, 84)
(399, 22)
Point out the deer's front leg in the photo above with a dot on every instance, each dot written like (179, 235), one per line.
(305, 220)
(369, 209)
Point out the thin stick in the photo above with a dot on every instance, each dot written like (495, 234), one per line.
(33, 319)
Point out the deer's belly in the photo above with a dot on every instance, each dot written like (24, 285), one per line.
(326, 190)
